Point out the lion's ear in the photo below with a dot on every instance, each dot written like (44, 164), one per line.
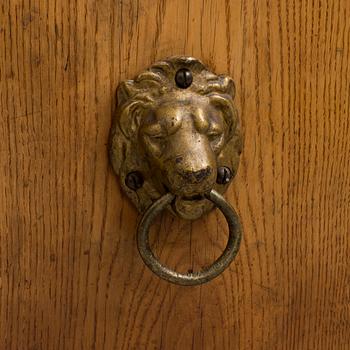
(225, 105)
(130, 118)
(230, 86)
(129, 111)
(124, 91)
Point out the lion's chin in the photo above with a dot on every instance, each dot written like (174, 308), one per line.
(191, 208)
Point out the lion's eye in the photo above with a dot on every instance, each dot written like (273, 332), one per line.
(157, 137)
(213, 135)
(152, 130)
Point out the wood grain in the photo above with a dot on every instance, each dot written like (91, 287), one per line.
(70, 274)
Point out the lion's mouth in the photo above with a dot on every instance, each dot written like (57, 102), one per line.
(196, 197)
(190, 207)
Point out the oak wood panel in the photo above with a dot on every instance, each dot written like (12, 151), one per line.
(70, 274)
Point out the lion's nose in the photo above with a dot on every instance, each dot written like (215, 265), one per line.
(198, 176)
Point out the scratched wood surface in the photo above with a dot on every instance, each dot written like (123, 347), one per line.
(70, 274)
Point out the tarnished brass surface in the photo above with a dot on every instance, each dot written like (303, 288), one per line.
(175, 126)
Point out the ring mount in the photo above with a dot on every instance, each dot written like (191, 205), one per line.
(206, 274)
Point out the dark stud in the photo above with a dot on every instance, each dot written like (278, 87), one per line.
(134, 180)
(183, 78)
(224, 175)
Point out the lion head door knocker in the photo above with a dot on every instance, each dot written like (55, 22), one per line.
(175, 143)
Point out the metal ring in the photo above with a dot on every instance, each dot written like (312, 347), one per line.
(206, 274)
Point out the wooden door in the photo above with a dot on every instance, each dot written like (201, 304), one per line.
(70, 273)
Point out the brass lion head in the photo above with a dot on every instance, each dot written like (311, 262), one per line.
(176, 130)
